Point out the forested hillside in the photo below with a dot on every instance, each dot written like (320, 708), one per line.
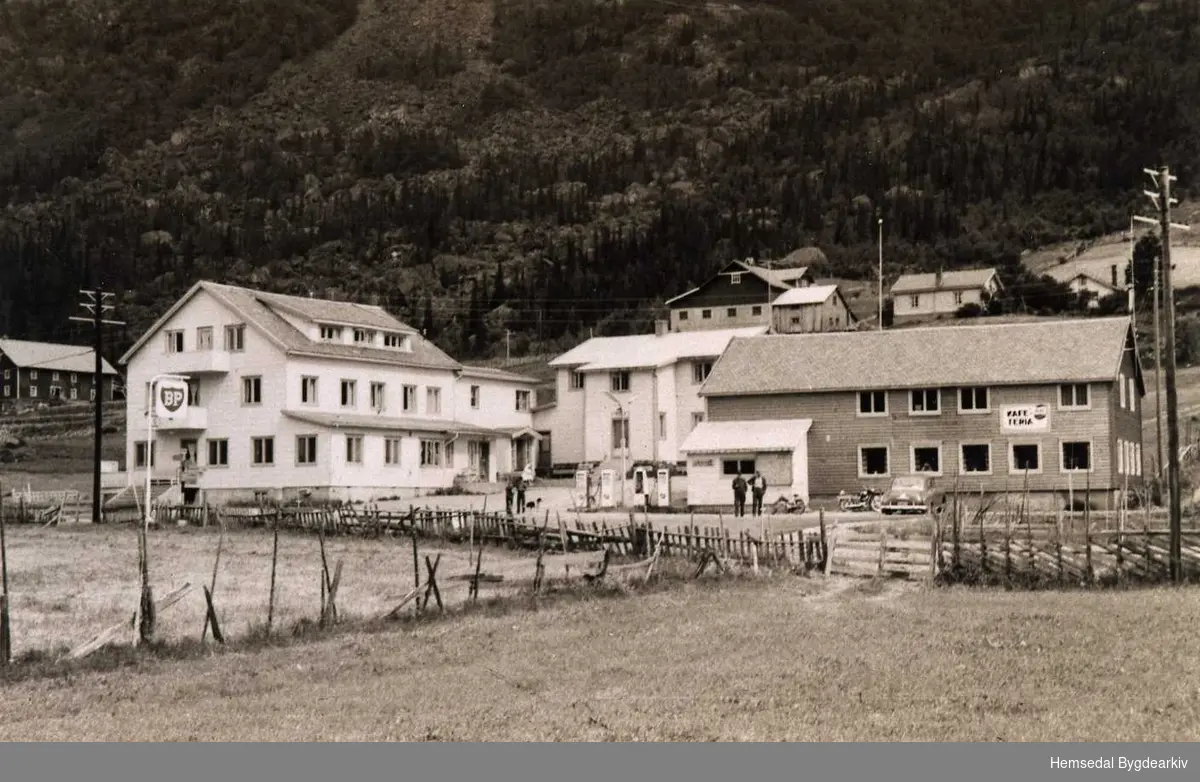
(549, 167)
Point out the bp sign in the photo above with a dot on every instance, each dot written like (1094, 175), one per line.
(171, 400)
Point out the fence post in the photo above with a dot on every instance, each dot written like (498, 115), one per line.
(5, 626)
(824, 552)
(1087, 524)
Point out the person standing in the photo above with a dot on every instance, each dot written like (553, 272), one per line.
(510, 496)
(739, 495)
(758, 489)
(520, 495)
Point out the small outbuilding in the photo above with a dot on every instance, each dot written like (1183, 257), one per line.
(719, 451)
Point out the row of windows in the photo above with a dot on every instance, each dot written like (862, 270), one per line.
(310, 386)
(619, 381)
(1129, 458)
(54, 376)
(234, 333)
(434, 453)
(875, 461)
(235, 338)
(730, 312)
(972, 399)
(914, 300)
(1128, 397)
(56, 392)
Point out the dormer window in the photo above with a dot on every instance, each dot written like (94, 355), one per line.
(735, 278)
(363, 336)
(331, 333)
(397, 341)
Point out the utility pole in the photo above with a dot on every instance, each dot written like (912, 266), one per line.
(881, 274)
(1163, 201)
(507, 348)
(1158, 376)
(94, 303)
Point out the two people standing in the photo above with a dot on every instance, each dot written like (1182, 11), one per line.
(758, 489)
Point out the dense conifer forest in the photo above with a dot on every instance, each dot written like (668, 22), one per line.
(548, 168)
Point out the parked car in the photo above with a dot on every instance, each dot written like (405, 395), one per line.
(913, 494)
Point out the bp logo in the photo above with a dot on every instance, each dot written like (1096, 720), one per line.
(1040, 412)
(172, 398)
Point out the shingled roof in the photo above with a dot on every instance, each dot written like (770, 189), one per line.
(1049, 351)
(259, 311)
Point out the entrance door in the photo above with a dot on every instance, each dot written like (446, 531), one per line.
(188, 459)
(485, 460)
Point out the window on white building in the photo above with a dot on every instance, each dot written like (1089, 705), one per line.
(349, 393)
(308, 390)
(431, 453)
(252, 390)
(433, 401)
(619, 381)
(306, 449)
(410, 399)
(218, 453)
(475, 396)
(700, 371)
(204, 338)
(235, 338)
(576, 382)
(391, 451)
(522, 400)
(354, 449)
(174, 341)
(378, 396)
(262, 450)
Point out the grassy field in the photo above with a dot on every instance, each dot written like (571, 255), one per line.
(779, 658)
(69, 583)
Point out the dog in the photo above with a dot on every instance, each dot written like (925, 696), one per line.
(533, 505)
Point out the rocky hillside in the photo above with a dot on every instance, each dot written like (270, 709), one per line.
(549, 167)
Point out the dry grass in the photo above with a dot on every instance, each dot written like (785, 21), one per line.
(70, 583)
(784, 658)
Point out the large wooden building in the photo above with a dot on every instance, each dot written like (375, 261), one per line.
(46, 371)
(739, 295)
(1051, 407)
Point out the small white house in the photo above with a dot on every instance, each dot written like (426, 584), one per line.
(292, 396)
(719, 451)
(1083, 282)
(922, 296)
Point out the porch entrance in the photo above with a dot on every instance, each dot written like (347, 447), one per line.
(479, 459)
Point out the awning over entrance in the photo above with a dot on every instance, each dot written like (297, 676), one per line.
(718, 437)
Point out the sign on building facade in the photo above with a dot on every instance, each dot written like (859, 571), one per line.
(1025, 418)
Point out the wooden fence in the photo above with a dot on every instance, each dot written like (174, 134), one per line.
(637, 538)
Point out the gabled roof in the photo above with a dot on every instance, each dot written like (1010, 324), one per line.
(1067, 272)
(953, 280)
(813, 294)
(261, 312)
(52, 356)
(491, 373)
(782, 279)
(646, 351)
(1048, 351)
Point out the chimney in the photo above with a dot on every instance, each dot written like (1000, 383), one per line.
(661, 327)
(937, 281)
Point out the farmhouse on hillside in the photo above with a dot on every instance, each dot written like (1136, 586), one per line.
(42, 371)
(923, 296)
(812, 308)
(1083, 282)
(292, 396)
(634, 396)
(1051, 406)
(740, 294)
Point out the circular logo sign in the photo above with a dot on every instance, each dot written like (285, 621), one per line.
(1040, 412)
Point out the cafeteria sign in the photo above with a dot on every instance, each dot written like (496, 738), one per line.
(1025, 418)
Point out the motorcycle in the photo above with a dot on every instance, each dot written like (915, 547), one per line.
(792, 504)
(867, 499)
